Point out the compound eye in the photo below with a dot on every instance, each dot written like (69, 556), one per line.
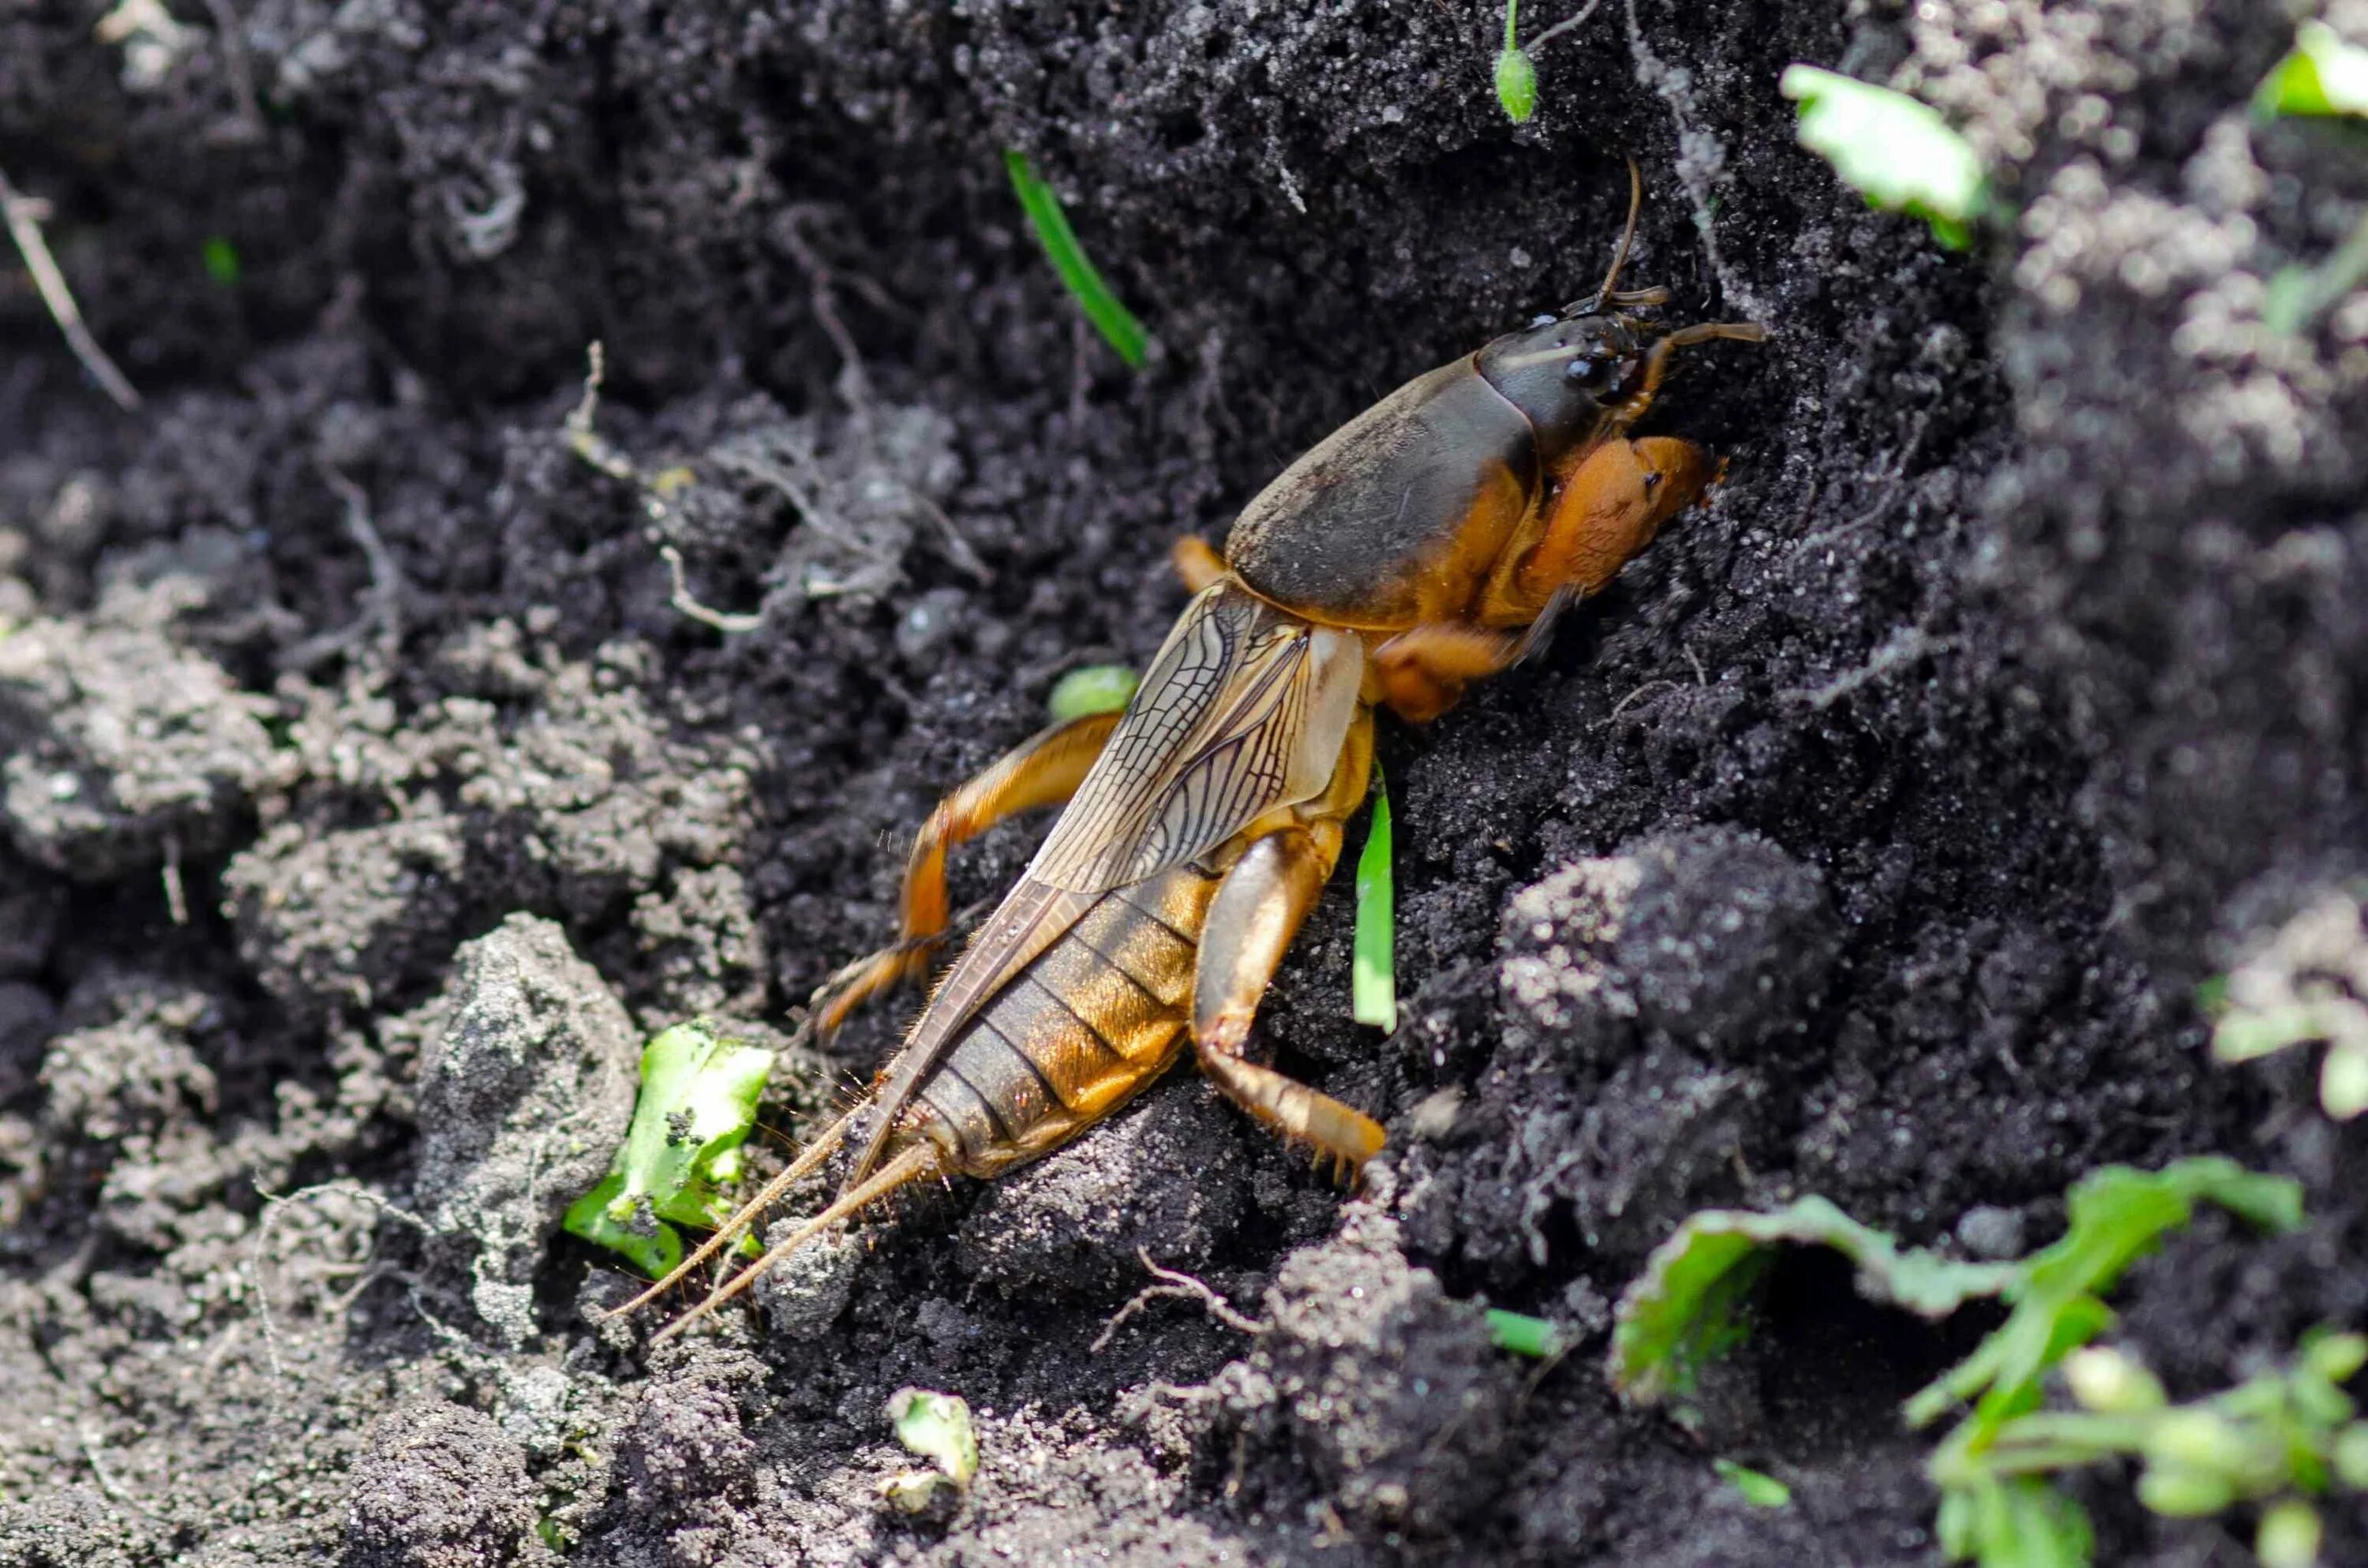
(1595, 375)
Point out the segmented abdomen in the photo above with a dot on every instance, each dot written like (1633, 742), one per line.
(1097, 1017)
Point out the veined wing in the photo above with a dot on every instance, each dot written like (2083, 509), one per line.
(1243, 710)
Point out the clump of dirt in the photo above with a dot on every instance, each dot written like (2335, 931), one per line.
(395, 728)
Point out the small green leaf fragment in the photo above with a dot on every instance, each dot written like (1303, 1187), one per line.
(2244, 1036)
(1372, 980)
(1897, 152)
(589, 1217)
(1759, 1489)
(2322, 75)
(2106, 1381)
(2352, 1456)
(1534, 1337)
(1517, 85)
(1114, 321)
(936, 1427)
(1089, 689)
(221, 258)
(2343, 1081)
(2334, 1357)
(697, 1104)
(2290, 1535)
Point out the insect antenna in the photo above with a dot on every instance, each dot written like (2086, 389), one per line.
(820, 1150)
(916, 1163)
(1594, 303)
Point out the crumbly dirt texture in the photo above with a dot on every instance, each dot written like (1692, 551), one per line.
(392, 736)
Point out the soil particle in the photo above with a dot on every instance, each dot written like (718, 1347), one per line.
(77, 1529)
(1169, 1180)
(437, 1486)
(1711, 938)
(522, 1104)
(121, 749)
(1382, 1384)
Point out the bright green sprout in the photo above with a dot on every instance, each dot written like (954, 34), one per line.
(1533, 1338)
(936, 1427)
(1115, 321)
(2322, 75)
(1091, 689)
(1996, 1514)
(1516, 78)
(2290, 1535)
(697, 1101)
(1898, 152)
(1689, 1306)
(1757, 1488)
(1515, 73)
(2116, 1216)
(220, 257)
(2270, 1440)
(1373, 982)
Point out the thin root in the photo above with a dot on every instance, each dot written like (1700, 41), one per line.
(1175, 1282)
(23, 215)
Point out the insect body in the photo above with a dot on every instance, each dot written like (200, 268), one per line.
(1426, 544)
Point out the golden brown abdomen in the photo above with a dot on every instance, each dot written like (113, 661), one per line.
(1071, 1037)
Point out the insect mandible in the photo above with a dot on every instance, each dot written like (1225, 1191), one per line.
(1428, 543)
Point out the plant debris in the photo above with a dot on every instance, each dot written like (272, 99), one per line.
(936, 1427)
(697, 1102)
(1897, 152)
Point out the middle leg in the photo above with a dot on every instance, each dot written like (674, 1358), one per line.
(1255, 912)
(1044, 771)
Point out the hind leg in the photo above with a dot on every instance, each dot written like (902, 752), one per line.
(1044, 770)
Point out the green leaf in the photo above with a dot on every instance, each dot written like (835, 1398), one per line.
(2290, 1535)
(1897, 152)
(1113, 320)
(1533, 1338)
(1517, 85)
(221, 258)
(1091, 689)
(1687, 1308)
(697, 1102)
(2322, 75)
(2243, 1035)
(589, 1217)
(1372, 981)
(1759, 1489)
(2015, 1524)
(936, 1427)
(2116, 1215)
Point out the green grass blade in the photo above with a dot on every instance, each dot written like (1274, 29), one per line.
(1521, 1334)
(1115, 321)
(1374, 992)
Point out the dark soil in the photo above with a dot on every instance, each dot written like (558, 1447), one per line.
(366, 796)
